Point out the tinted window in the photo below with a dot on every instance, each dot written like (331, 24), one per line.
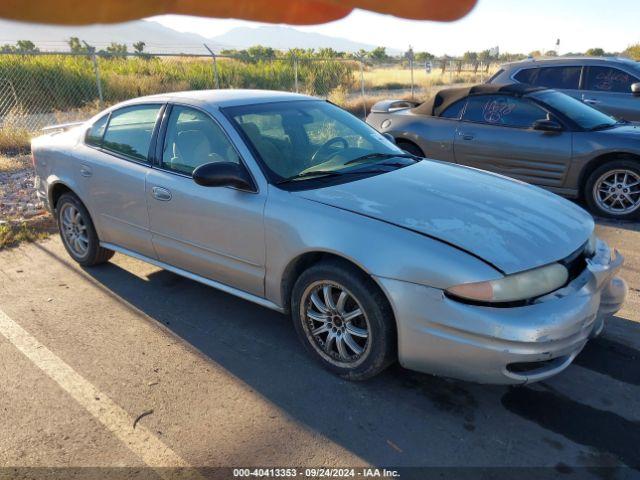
(551, 77)
(558, 77)
(130, 129)
(95, 133)
(607, 79)
(585, 116)
(455, 110)
(502, 110)
(193, 139)
(528, 75)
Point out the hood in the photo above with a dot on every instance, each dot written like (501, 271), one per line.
(511, 225)
(629, 129)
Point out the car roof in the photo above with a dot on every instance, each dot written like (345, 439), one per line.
(576, 60)
(220, 97)
(444, 98)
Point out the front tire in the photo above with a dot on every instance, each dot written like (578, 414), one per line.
(78, 234)
(613, 190)
(344, 320)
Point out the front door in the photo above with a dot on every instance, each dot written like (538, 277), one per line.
(214, 232)
(496, 134)
(609, 89)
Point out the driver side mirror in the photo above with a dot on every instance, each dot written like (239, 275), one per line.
(223, 174)
(547, 125)
(635, 88)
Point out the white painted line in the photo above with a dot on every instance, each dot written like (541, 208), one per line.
(151, 450)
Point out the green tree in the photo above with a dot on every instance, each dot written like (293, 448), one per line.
(378, 54)
(550, 53)
(633, 51)
(80, 46)
(138, 47)
(117, 48)
(258, 52)
(470, 58)
(424, 56)
(535, 53)
(26, 46)
(595, 52)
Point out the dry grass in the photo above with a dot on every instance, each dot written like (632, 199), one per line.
(12, 164)
(14, 140)
(396, 78)
(12, 233)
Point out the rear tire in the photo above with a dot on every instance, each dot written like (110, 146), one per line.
(411, 148)
(325, 302)
(613, 190)
(78, 234)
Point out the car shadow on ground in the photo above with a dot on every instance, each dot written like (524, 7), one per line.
(400, 418)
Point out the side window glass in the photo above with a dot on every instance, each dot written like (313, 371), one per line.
(95, 133)
(559, 77)
(454, 111)
(502, 110)
(193, 139)
(528, 75)
(607, 79)
(130, 129)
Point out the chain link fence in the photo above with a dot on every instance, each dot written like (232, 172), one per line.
(44, 88)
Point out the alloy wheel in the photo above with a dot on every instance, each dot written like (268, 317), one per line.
(335, 323)
(74, 230)
(617, 191)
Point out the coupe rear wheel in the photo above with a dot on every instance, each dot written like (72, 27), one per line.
(78, 233)
(613, 190)
(344, 320)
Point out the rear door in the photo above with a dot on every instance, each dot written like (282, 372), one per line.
(214, 232)
(609, 89)
(112, 175)
(496, 134)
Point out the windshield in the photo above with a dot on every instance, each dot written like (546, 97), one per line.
(585, 116)
(295, 139)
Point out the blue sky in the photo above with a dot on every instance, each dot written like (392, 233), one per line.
(513, 25)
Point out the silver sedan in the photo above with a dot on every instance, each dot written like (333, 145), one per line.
(292, 203)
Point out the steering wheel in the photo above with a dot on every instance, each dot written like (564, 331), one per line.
(328, 144)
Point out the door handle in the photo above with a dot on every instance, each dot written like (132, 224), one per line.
(85, 171)
(467, 136)
(591, 101)
(160, 193)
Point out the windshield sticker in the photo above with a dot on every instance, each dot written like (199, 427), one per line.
(495, 110)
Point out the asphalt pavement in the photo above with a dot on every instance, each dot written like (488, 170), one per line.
(130, 370)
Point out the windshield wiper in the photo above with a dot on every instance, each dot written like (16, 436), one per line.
(602, 126)
(311, 173)
(328, 173)
(375, 156)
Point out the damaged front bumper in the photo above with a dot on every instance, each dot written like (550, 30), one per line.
(505, 345)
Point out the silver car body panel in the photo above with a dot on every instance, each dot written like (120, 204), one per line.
(416, 231)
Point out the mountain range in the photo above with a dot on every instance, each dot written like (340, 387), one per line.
(160, 38)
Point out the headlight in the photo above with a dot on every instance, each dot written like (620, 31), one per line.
(519, 286)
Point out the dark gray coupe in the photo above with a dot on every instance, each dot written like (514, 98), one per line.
(533, 134)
